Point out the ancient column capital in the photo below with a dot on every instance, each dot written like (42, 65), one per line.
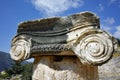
(76, 35)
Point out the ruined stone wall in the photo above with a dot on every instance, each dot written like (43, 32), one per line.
(110, 70)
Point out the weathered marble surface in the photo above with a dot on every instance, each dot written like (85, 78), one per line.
(64, 48)
(110, 70)
(79, 33)
(62, 68)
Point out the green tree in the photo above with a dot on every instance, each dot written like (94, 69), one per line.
(4, 75)
(16, 68)
(27, 72)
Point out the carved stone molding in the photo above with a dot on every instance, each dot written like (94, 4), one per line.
(78, 33)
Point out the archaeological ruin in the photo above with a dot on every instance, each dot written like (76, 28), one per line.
(64, 48)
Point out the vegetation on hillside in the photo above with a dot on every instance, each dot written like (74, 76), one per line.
(18, 72)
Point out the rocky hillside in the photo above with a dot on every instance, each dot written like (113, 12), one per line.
(5, 61)
(110, 70)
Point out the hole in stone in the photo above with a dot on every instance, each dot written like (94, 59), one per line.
(58, 58)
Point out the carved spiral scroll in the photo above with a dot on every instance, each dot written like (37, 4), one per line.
(20, 48)
(94, 47)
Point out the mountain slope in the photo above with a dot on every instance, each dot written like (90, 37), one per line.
(5, 61)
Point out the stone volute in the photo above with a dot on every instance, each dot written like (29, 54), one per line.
(74, 40)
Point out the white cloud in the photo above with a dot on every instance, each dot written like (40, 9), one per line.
(112, 1)
(108, 24)
(54, 7)
(110, 29)
(109, 21)
(106, 28)
(117, 33)
(100, 7)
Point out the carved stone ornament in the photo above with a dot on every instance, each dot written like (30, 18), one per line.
(20, 48)
(78, 33)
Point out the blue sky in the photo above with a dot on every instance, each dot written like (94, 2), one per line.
(12, 12)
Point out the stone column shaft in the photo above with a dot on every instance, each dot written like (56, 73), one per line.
(62, 68)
